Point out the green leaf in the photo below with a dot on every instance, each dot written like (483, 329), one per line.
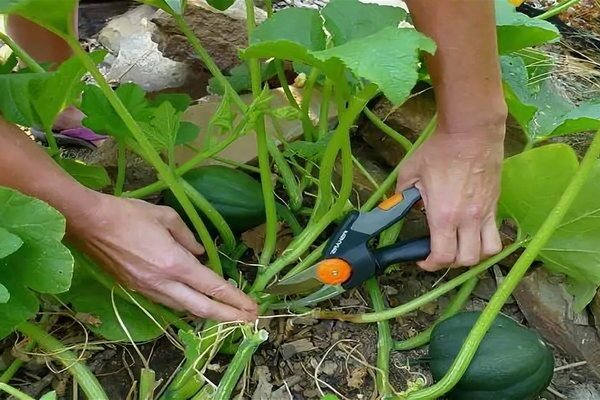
(88, 296)
(9, 64)
(347, 20)
(223, 116)
(179, 101)
(163, 127)
(9, 243)
(287, 112)
(517, 31)
(240, 78)
(42, 263)
(173, 7)
(54, 15)
(93, 176)
(49, 396)
(4, 295)
(221, 5)
(312, 151)
(583, 293)
(517, 95)
(388, 58)
(101, 116)
(188, 132)
(532, 183)
(584, 118)
(303, 26)
(16, 103)
(191, 343)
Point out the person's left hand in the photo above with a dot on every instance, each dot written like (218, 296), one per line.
(458, 175)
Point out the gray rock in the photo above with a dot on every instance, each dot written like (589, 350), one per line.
(134, 57)
(290, 349)
(547, 306)
(222, 34)
(585, 391)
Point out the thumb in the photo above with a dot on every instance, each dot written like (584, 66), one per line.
(408, 175)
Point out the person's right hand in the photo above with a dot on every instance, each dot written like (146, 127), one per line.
(151, 250)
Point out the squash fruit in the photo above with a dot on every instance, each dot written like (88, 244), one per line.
(234, 194)
(512, 362)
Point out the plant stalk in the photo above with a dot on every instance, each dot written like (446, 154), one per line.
(14, 392)
(557, 9)
(289, 180)
(487, 317)
(384, 340)
(453, 308)
(121, 168)
(147, 384)
(150, 154)
(21, 54)
(85, 378)
(324, 109)
(388, 130)
(425, 298)
(238, 364)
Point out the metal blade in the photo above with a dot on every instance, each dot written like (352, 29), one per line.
(305, 281)
(326, 292)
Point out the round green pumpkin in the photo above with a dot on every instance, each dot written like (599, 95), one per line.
(234, 194)
(512, 362)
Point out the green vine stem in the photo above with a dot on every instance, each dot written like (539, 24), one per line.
(17, 363)
(453, 308)
(339, 138)
(239, 363)
(206, 393)
(387, 184)
(310, 260)
(263, 151)
(207, 59)
(384, 340)
(86, 380)
(147, 384)
(558, 9)
(289, 180)
(189, 165)
(21, 54)
(324, 109)
(286, 215)
(388, 130)
(284, 83)
(464, 357)
(16, 393)
(425, 298)
(309, 85)
(212, 214)
(121, 167)
(150, 154)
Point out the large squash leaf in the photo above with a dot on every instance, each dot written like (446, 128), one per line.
(517, 31)
(54, 15)
(41, 263)
(89, 297)
(93, 176)
(540, 109)
(532, 183)
(349, 20)
(298, 25)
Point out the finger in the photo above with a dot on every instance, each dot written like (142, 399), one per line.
(407, 176)
(469, 243)
(201, 306)
(491, 244)
(165, 301)
(208, 282)
(443, 243)
(180, 232)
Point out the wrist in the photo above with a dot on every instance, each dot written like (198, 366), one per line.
(83, 212)
(488, 124)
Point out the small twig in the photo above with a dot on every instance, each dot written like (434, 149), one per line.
(569, 366)
(556, 393)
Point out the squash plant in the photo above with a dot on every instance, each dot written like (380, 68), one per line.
(353, 52)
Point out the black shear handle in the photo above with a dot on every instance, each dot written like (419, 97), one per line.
(413, 250)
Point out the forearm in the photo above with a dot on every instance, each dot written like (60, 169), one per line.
(465, 70)
(24, 166)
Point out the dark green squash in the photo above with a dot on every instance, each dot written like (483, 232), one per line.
(234, 194)
(512, 362)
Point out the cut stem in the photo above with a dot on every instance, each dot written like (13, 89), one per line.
(487, 317)
(557, 9)
(16, 393)
(85, 379)
(147, 384)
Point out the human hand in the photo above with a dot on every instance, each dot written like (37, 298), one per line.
(151, 250)
(458, 175)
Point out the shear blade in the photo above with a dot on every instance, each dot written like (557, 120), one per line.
(305, 281)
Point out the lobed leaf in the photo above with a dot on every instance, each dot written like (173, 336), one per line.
(221, 5)
(41, 263)
(92, 176)
(173, 7)
(517, 31)
(350, 20)
(9, 243)
(532, 183)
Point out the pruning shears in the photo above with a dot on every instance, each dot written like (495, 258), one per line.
(348, 261)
